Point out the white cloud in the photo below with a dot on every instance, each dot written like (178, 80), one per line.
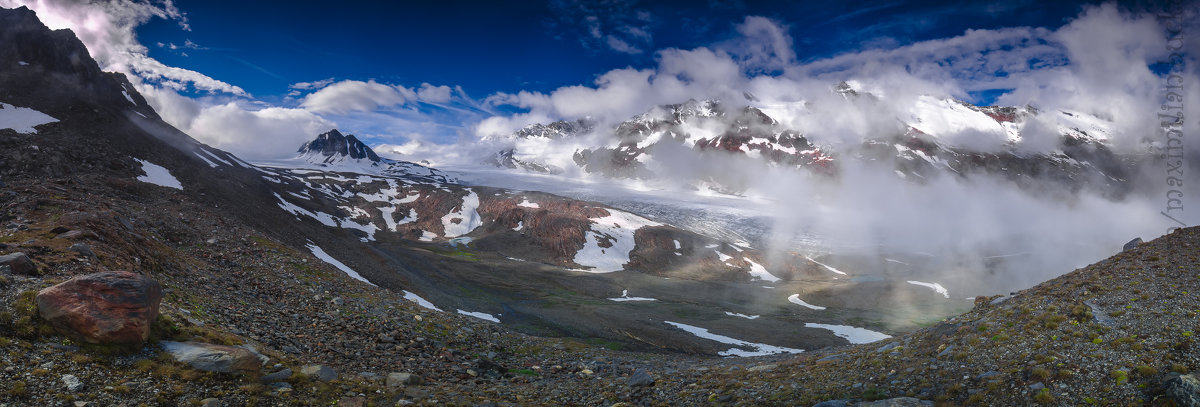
(249, 132)
(311, 85)
(107, 29)
(356, 96)
(434, 94)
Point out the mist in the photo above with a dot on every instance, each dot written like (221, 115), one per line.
(978, 233)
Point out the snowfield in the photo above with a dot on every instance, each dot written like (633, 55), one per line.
(22, 119)
(618, 229)
(158, 175)
(468, 219)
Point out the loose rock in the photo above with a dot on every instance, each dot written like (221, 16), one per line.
(213, 358)
(18, 263)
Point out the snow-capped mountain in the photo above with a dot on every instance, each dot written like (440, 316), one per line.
(933, 136)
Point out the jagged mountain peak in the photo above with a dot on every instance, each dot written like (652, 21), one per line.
(332, 146)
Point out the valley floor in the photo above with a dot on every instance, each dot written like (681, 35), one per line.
(1109, 334)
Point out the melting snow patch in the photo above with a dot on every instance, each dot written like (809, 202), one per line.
(618, 229)
(734, 314)
(480, 315)
(324, 218)
(409, 198)
(520, 225)
(210, 163)
(316, 251)
(677, 245)
(527, 204)
(127, 97)
(795, 299)
(427, 236)
(412, 217)
(853, 334)
(759, 348)
(22, 119)
(387, 217)
(722, 256)
(409, 295)
(757, 271)
(158, 175)
(22, 63)
(625, 297)
(468, 218)
(827, 267)
(935, 286)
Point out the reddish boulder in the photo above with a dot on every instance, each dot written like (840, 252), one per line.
(113, 307)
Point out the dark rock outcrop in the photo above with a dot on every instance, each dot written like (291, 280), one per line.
(113, 307)
(333, 146)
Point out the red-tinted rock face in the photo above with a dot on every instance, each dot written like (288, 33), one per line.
(115, 307)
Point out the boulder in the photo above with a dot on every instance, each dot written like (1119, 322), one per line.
(897, 402)
(319, 372)
(83, 249)
(18, 263)
(72, 383)
(1133, 244)
(397, 379)
(112, 307)
(214, 358)
(1183, 390)
(640, 378)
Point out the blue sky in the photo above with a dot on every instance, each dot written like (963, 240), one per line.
(260, 78)
(489, 46)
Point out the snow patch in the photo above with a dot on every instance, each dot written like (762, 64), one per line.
(625, 297)
(468, 218)
(618, 229)
(853, 334)
(480, 315)
(795, 299)
(22, 119)
(826, 266)
(739, 315)
(935, 286)
(411, 296)
(158, 175)
(426, 236)
(527, 204)
(758, 272)
(759, 349)
(316, 251)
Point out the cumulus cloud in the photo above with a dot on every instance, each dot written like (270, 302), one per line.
(434, 94)
(107, 29)
(356, 96)
(249, 131)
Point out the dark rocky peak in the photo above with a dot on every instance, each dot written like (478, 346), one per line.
(334, 146)
(51, 70)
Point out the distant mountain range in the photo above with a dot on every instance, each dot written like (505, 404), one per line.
(685, 143)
